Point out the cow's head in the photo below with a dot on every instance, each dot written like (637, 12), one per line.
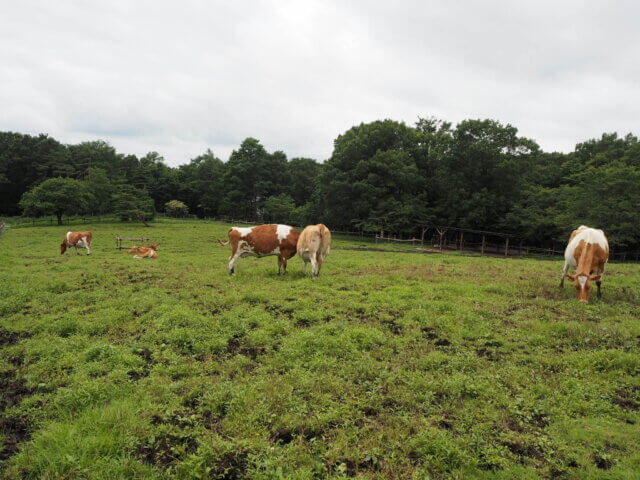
(583, 284)
(63, 247)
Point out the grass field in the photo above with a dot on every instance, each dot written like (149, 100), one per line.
(389, 366)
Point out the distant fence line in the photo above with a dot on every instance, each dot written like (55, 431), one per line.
(433, 237)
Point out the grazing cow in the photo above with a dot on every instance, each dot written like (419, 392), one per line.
(587, 252)
(148, 251)
(260, 241)
(313, 246)
(77, 240)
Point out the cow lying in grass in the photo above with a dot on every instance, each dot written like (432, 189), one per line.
(261, 241)
(314, 244)
(77, 240)
(148, 251)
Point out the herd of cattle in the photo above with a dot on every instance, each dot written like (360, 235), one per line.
(587, 251)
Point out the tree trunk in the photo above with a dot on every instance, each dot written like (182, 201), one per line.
(59, 215)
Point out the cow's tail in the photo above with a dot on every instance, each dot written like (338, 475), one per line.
(223, 244)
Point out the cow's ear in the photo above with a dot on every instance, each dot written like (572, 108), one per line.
(570, 276)
(595, 277)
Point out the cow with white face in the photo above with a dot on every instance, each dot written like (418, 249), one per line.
(262, 241)
(587, 252)
(77, 240)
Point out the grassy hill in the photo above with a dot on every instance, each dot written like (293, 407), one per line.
(390, 365)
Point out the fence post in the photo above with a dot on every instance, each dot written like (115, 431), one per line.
(506, 247)
(482, 247)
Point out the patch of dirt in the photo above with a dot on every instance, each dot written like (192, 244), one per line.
(146, 354)
(442, 342)
(230, 466)
(279, 310)
(603, 462)
(236, 346)
(136, 375)
(13, 389)
(9, 337)
(14, 430)
(487, 353)
(518, 447)
(392, 326)
(165, 449)
(429, 333)
(628, 398)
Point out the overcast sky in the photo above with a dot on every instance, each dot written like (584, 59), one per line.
(180, 77)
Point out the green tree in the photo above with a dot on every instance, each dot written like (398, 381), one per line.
(279, 208)
(26, 161)
(132, 203)
(200, 184)
(303, 179)
(250, 177)
(154, 176)
(58, 196)
(175, 208)
(101, 189)
(605, 197)
(481, 177)
(372, 180)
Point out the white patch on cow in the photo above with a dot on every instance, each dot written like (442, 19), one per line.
(68, 233)
(244, 231)
(589, 235)
(275, 251)
(283, 232)
(582, 280)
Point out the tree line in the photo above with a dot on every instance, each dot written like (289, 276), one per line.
(382, 176)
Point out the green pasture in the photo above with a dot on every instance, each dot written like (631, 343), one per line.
(389, 366)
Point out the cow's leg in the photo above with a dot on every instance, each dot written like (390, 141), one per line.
(565, 269)
(304, 270)
(232, 262)
(87, 245)
(282, 260)
(314, 266)
(599, 284)
(76, 247)
(320, 262)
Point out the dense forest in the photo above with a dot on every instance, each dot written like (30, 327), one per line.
(383, 175)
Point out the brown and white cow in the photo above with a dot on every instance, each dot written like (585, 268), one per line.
(148, 251)
(77, 240)
(261, 241)
(587, 252)
(313, 246)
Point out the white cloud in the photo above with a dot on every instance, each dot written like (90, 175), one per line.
(181, 77)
